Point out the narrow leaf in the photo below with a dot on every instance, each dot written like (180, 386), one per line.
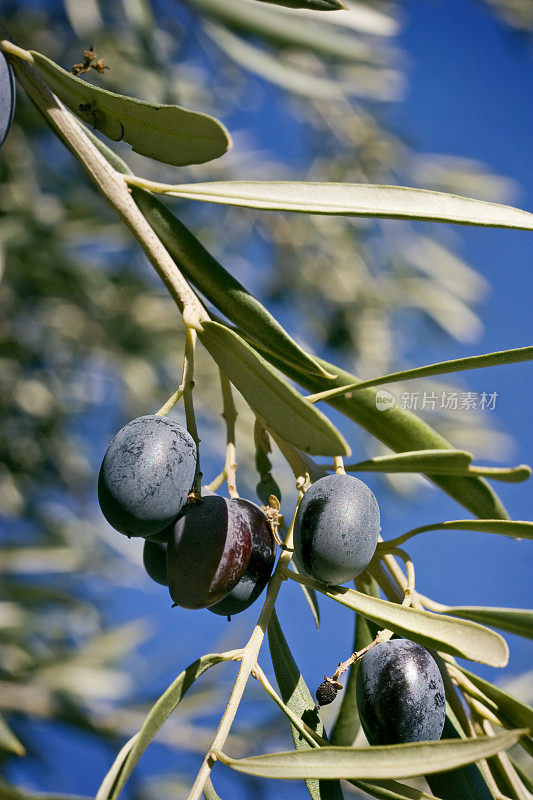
(392, 790)
(168, 133)
(513, 620)
(401, 430)
(516, 529)
(388, 761)
(209, 791)
(352, 199)
(312, 5)
(435, 631)
(415, 461)
(463, 783)
(347, 723)
(309, 594)
(282, 407)
(8, 740)
(499, 358)
(297, 697)
(511, 711)
(219, 286)
(157, 715)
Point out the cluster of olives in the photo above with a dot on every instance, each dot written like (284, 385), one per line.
(400, 693)
(214, 552)
(7, 98)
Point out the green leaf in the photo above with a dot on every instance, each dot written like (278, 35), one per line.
(282, 407)
(221, 288)
(352, 199)
(511, 711)
(209, 790)
(388, 761)
(315, 33)
(297, 697)
(435, 631)
(160, 711)
(167, 133)
(312, 5)
(513, 620)
(439, 462)
(402, 431)
(309, 594)
(10, 792)
(392, 790)
(514, 528)
(8, 740)
(499, 358)
(464, 783)
(347, 723)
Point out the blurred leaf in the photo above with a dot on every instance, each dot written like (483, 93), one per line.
(513, 620)
(388, 761)
(500, 358)
(347, 723)
(10, 792)
(434, 631)
(160, 711)
(310, 32)
(222, 289)
(352, 199)
(167, 133)
(297, 697)
(281, 406)
(8, 740)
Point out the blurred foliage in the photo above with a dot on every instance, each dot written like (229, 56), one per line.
(88, 337)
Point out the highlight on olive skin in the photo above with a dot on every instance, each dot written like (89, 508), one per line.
(260, 565)
(336, 529)
(400, 694)
(146, 475)
(208, 551)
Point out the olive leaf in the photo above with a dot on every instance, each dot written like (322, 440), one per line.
(511, 711)
(499, 358)
(222, 289)
(513, 620)
(435, 631)
(385, 761)
(439, 462)
(463, 783)
(352, 199)
(314, 5)
(315, 33)
(168, 133)
(392, 790)
(514, 528)
(297, 697)
(209, 790)
(10, 792)
(160, 711)
(282, 407)
(8, 740)
(399, 429)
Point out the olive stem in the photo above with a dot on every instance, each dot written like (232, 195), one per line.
(171, 402)
(110, 182)
(229, 414)
(339, 465)
(187, 382)
(314, 739)
(217, 482)
(409, 591)
(249, 661)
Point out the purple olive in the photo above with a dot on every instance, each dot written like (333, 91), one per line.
(155, 561)
(260, 565)
(208, 551)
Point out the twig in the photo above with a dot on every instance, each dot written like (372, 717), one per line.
(229, 415)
